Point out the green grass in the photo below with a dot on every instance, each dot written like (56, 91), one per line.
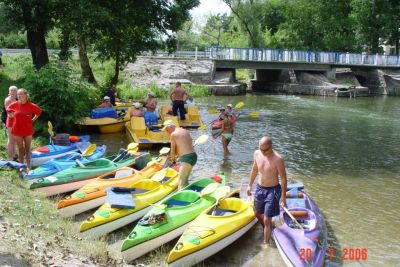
(32, 224)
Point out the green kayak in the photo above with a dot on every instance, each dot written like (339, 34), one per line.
(75, 177)
(168, 219)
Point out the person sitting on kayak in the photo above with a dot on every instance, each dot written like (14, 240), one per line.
(181, 146)
(269, 165)
(106, 103)
(226, 130)
(136, 112)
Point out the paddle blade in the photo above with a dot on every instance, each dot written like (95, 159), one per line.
(203, 127)
(201, 139)
(213, 111)
(89, 150)
(254, 114)
(210, 188)
(164, 150)
(133, 146)
(159, 176)
(50, 129)
(239, 104)
(221, 192)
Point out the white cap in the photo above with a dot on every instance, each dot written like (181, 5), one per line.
(137, 105)
(106, 98)
(167, 123)
(229, 106)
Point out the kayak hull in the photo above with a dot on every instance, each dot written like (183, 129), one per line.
(312, 238)
(93, 194)
(213, 230)
(107, 219)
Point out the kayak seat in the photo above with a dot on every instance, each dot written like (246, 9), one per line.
(296, 202)
(195, 188)
(183, 198)
(138, 125)
(221, 212)
(125, 172)
(177, 203)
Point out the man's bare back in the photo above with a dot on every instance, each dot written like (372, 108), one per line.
(183, 141)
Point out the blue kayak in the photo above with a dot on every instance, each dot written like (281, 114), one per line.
(43, 154)
(64, 162)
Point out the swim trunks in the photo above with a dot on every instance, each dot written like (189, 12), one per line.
(227, 136)
(266, 200)
(179, 105)
(190, 158)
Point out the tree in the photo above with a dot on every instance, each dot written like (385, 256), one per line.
(248, 13)
(214, 29)
(36, 18)
(127, 27)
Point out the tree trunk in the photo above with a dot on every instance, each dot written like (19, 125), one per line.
(116, 70)
(37, 45)
(87, 72)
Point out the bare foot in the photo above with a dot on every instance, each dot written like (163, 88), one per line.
(265, 246)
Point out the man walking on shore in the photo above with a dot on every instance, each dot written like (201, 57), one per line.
(269, 195)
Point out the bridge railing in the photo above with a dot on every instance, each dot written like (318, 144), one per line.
(301, 56)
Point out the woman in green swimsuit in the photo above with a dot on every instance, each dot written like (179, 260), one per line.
(226, 131)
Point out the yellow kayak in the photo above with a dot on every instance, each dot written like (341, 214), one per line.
(213, 230)
(93, 194)
(193, 118)
(138, 132)
(107, 125)
(107, 219)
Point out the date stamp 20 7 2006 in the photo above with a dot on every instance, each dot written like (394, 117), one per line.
(348, 254)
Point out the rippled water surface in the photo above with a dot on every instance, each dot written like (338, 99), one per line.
(345, 151)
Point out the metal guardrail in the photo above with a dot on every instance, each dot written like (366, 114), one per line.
(263, 55)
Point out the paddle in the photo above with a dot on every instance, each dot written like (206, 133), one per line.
(163, 151)
(293, 218)
(89, 150)
(239, 104)
(51, 132)
(132, 148)
(201, 139)
(220, 192)
(254, 114)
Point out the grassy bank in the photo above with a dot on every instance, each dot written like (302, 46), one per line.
(31, 229)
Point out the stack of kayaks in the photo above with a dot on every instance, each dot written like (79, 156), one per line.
(64, 162)
(169, 219)
(43, 154)
(107, 219)
(75, 177)
(304, 242)
(213, 230)
(93, 194)
(138, 132)
(192, 116)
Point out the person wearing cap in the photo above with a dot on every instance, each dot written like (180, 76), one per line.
(106, 103)
(136, 112)
(112, 94)
(231, 112)
(182, 147)
(178, 100)
(226, 130)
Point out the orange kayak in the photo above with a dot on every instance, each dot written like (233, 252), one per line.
(93, 194)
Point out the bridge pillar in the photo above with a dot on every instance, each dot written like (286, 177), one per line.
(331, 74)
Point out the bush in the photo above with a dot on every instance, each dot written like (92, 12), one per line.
(63, 98)
(13, 40)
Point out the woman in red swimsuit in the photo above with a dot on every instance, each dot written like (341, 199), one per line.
(24, 113)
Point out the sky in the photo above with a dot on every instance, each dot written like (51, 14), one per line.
(208, 7)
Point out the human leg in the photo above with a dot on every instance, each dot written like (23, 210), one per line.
(10, 144)
(182, 111)
(225, 146)
(174, 108)
(267, 229)
(20, 144)
(28, 141)
(184, 172)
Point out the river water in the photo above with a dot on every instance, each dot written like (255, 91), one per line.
(345, 151)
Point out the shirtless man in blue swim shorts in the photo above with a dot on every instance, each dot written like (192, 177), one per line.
(269, 166)
(181, 146)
